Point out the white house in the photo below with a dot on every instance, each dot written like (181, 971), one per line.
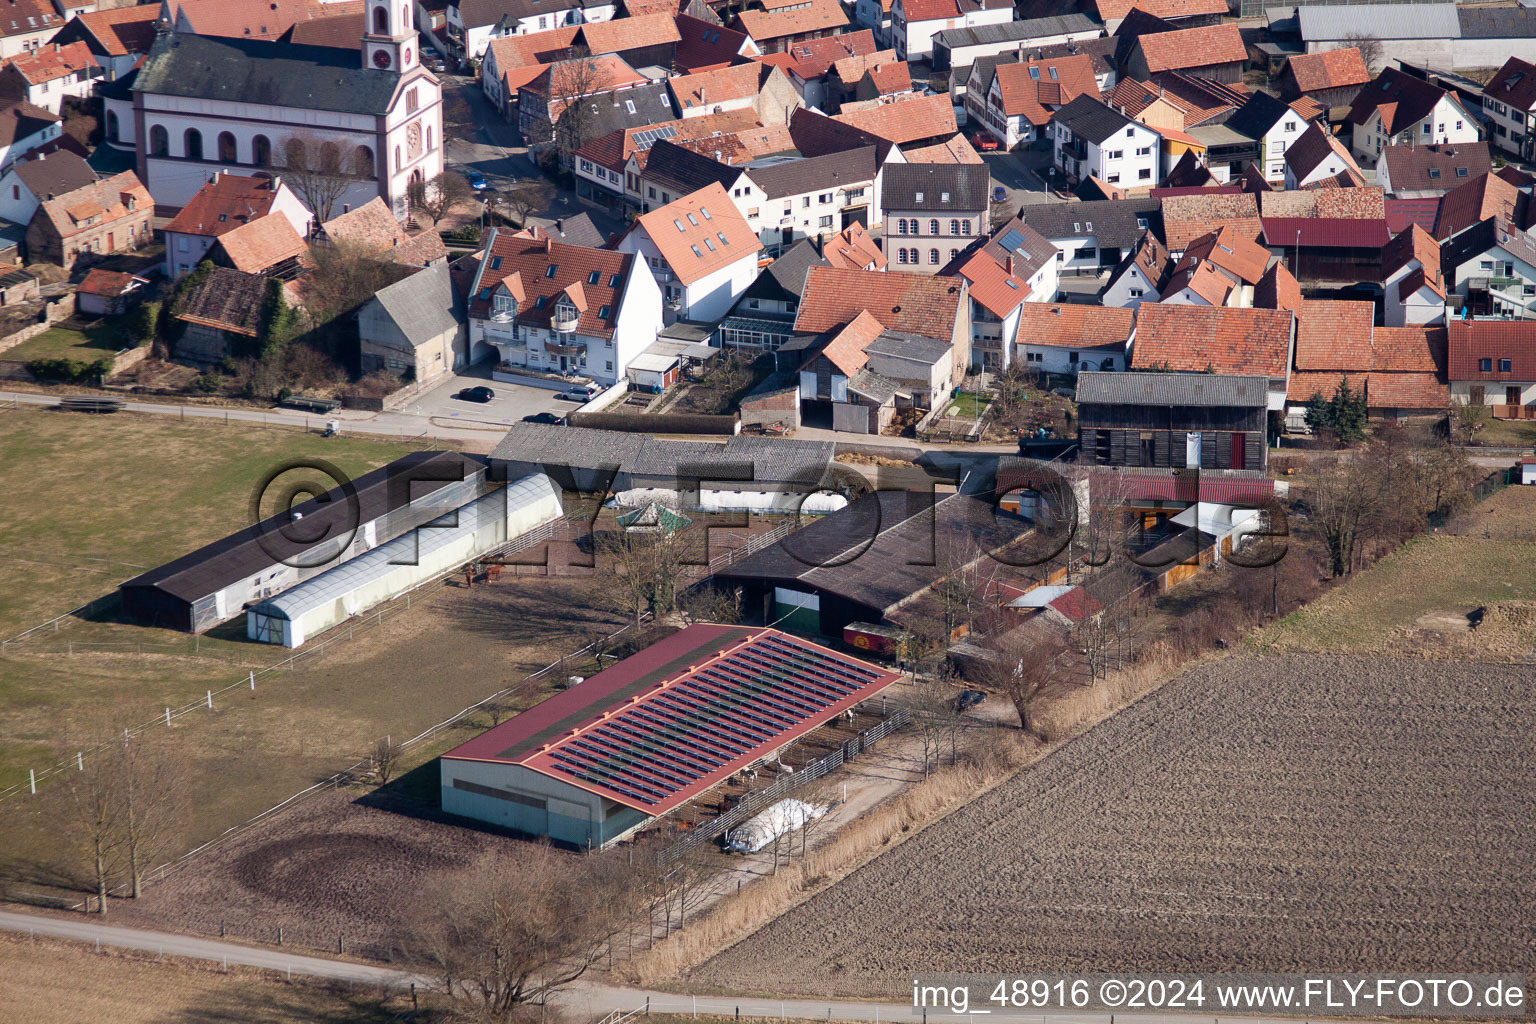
(223, 204)
(1068, 338)
(1411, 279)
(1141, 276)
(1273, 125)
(27, 25)
(1497, 262)
(961, 47)
(702, 251)
(1093, 140)
(23, 128)
(474, 23)
(37, 177)
(875, 15)
(1509, 105)
(1023, 96)
(50, 74)
(1396, 109)
(555, 312)
(1490, 362)
(375, 112)
(914, 22)
(1318, 156)
(788, 199)
(1017, 265)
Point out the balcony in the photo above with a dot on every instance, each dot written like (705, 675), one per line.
(565, 350)
(502, 316)
(565, 320)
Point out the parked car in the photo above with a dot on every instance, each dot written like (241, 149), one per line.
(476, 181)
(552, 418)
(999, 194)
(969, 699)
(984, 141)
(476, 394)
(580, 393)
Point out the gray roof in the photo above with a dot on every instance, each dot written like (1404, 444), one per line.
(475, 13)
(784, 278)
(423, 305)
(1015, 31)
(1186, 389)
(1256, 117)
(780, 178)
(776, 459)
(685, 171)
(936, 188)
(908, 346)
(1497, 22)
(576, 229)
(1029, 248)
(876, 388)
(772, 460)
(567, 446)
(55, 174)
(1091, 119)
(1381, 21)
(1114, 222)
(258, 71)
(652, 103)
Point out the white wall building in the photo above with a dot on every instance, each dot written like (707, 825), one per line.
(1396, 109)
(1090, 139)
(914, 22)
(474, 23)
(203, 103)
(702, 251)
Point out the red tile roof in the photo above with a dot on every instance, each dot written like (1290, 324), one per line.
(1188, 217)
(689, 231)
(372, 227)
(1403, 212)
(240, 18)
(1472, 340)
(1409, 349)
(906, 119)
(704, 45)
(532, 49)
(260, 245)
(991, 285)
(914, 303)
(1403, 100)
(853, 249)
(954, 151)
(812, 58)
(522, 263)
(851, 68)
(1412, 244)
(1033, 89)
(846, 349)
(1330, 204)
(107, 283)
(1331, 69)
(1406, 391)
(1229, 250)
(938, 10)
(1326, 233)
(1069, 325)
(29, 16)
(1277, 289)
(707, 88)
(107, 198)
(1334, 335)
(889, 78)
(764, 26)
(632, 33)
(1476, 201)
(1515, 84)
(1115, 10)
(1202, 279)
(583, 76)
(1197, 338)
(1193, 48)
(223, 205)
(123, 30)
(51, 62)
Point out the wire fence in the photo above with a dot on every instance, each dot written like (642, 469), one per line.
(758, 799)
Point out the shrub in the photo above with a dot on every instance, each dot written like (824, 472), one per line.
(68, 371)
(145, 322)
(208, 383)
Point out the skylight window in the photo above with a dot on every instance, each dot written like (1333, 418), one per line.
(693, 220)
(538, 303)
(485, 293)
(944, 197)
(602, 314)
(1034, 72)
(551, 271)
(495, 260)
(723, 240)
(1434, 172)
(680, 228)
(709, 243)
(1053, 73)
(629, 105)
(696, 251)
(613, 281)
(705, 211)
(919, 197)
(1461, 172)
(594, 277)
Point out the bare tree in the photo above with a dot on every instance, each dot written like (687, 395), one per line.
(96, 800)
(708, 603)
(821, 793)
(153, 777)
(439, 196)
(498, 709)
(647, 567)
(930, 698)
(1369, 47)
(572, 86)
(318, 172)
(384, 758)
(1021, 664)
(528, 198)
(1346, 504)
(515, 938)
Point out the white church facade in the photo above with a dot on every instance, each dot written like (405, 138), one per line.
(349, 125)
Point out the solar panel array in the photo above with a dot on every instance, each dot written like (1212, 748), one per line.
(675, 737)
(644, 140)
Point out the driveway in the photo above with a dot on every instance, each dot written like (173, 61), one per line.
(438, 405)
(1017, 172)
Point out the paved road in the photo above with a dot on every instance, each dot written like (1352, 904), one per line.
(590, 999)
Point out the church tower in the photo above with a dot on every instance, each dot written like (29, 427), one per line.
(389, 36)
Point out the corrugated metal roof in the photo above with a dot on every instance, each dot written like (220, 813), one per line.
(1190, 389)
(1015, 31)
(1380, 21)
(334, 584)
(670, 722)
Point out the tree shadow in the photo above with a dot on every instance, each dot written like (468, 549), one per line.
(331, 1003)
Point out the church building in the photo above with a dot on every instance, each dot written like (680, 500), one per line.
(341, 126)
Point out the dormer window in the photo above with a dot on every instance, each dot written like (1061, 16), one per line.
(503, 304)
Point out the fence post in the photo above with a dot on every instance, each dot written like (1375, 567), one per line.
(167, 718)
(210, 700)
(253, 680)
(80, 760)
(32, 780)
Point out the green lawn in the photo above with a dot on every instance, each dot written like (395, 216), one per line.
(1508, 433)
(97, 341)
(968, 405)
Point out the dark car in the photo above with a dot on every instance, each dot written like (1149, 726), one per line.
(969, 699)
(476, 394)
(552, 418)
(999, 194)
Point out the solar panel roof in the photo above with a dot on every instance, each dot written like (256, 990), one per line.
(668, 723)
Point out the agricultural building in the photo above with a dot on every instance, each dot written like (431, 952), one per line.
(597, 761)
(391, 569)
(216, 582)
(1173, 420)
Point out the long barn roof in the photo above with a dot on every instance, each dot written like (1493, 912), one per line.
(675, 719)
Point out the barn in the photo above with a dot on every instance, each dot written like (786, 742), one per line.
(216, 582)
(408, 561)
(597, 761)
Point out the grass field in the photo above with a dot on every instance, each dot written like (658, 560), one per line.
(968, 405)
(1418, 600)
(88, 344)
(48, 982)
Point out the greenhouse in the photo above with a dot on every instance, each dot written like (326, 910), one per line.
(408, 561)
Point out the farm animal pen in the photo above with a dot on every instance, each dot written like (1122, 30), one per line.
(390, 570)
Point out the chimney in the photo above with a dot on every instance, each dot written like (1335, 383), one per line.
(1008, 264)
(215, 178)
(548, 245)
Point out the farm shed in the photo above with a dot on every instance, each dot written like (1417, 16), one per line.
(863, 563)
(1528, 471)
(390, 570)
(1173, 419)
(641, 738)
(205, 587)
